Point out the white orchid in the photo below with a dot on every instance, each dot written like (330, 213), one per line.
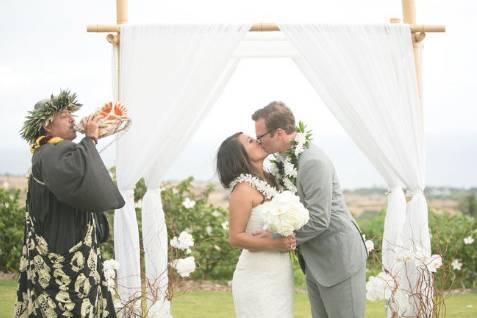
(300, 138)
(290, 169)
(290, 185)
(274, 169)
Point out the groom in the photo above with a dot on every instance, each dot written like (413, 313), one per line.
(332, 253)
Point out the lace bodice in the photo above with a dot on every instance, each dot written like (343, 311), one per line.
(256, 220)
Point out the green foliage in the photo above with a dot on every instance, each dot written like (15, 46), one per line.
(12, 218)
(448, 233)
(468, 204)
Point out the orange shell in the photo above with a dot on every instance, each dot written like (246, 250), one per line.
(106, 109)
(120, 110)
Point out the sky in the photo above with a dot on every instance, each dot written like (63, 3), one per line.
(44, 47)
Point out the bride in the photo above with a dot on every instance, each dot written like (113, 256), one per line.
(262, 284)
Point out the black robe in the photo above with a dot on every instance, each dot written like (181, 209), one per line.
(75, 182)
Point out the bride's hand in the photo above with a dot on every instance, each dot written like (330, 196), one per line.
(262, 234)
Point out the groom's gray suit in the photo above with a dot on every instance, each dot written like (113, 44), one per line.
(331, 250)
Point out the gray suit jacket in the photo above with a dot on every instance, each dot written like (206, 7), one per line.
(330, 244)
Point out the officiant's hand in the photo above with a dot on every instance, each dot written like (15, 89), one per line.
(91, 127)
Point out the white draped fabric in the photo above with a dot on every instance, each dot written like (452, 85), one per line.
(365, 74)
(169, 77)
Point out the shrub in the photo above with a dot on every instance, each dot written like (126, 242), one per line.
(447, 239)
(12, 218)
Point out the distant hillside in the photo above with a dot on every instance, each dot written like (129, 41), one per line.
(358, 200)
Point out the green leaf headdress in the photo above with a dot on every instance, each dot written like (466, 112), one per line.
(44, 112)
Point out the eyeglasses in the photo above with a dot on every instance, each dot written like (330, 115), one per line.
(259, 137)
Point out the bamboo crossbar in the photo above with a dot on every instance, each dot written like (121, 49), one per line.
(267, 27)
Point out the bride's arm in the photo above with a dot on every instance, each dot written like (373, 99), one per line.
(240, 207)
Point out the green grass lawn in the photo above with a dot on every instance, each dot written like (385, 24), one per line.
(219, 304)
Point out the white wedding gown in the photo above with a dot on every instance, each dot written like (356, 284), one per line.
(262, 285)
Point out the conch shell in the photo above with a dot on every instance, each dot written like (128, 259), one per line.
(112, 120)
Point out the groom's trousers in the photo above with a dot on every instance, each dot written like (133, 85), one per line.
(343, 300)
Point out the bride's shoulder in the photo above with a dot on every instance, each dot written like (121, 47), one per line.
(248, 184)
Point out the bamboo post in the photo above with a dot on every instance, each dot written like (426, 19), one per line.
(121, 11)
(409, 17)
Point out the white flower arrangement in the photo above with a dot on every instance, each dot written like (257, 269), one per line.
(183, 242)
(285, 214)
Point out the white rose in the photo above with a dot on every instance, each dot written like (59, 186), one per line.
(183, 242)
(456, 265)
(216, 214)
(225, 225)
(468, 240)
(184, 266)
(433, 263)
(380, 287)
(188, 203)
(369, 245)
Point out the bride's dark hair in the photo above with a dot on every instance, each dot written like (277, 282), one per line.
(233, 160)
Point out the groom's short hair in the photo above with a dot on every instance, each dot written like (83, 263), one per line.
(276, 115)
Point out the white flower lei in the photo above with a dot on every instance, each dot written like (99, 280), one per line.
(284, 165)
(260, 185)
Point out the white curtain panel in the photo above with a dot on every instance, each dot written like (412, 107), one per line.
(169, 77)
(365, 74)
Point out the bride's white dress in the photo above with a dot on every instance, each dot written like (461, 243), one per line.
(262, 285)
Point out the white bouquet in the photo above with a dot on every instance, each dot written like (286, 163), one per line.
(285, 214)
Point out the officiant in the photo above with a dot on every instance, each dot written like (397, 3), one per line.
(61, 270)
